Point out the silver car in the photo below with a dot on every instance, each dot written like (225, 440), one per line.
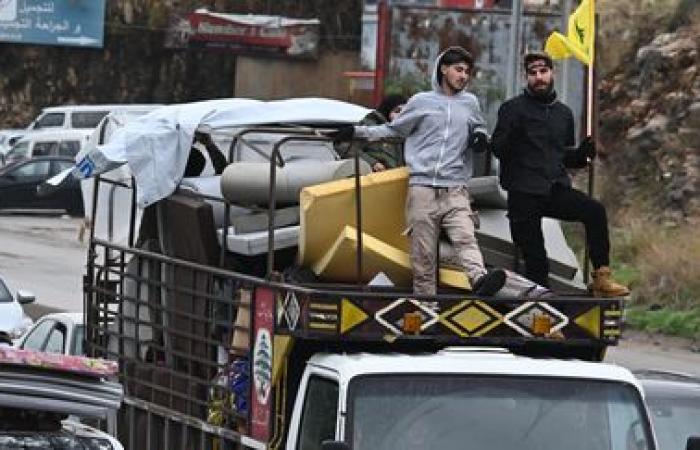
(62, 333)
(673, 400)
(13, 320)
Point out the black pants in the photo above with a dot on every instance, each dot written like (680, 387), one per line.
(525, 212)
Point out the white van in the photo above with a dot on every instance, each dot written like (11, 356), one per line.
(83, 116)
(48, 143)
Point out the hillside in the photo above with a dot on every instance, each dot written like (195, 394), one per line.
(649, 170)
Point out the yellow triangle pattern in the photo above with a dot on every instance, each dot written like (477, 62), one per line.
(281, 347)
(590, 321)
(350, 316)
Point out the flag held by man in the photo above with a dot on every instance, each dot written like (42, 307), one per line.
(579, 40)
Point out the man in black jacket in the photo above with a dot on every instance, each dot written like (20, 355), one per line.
(534, 140)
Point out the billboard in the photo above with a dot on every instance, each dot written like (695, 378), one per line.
(249, 33)
(58, 22)
(418, 34)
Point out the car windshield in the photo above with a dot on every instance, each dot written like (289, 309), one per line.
(5, 296)
(87, 119)
(675, 414)
(495, 413)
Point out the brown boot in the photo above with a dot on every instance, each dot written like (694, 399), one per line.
(604, 286)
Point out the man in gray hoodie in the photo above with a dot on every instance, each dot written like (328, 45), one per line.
(440, 126)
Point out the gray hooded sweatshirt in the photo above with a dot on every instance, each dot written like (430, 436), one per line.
(436, 127)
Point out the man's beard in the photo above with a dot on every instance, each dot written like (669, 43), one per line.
(542, 89)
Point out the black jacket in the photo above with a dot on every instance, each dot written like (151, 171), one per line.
(534, 141)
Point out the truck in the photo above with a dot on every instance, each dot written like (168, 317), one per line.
(48, 401)
(222, 345)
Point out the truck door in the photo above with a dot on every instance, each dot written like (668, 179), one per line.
(315, 412)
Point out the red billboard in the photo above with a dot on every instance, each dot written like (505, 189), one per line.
(249, 33)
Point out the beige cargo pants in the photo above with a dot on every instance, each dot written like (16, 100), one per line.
(428, 209)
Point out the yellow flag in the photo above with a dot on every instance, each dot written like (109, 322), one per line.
(579, 41)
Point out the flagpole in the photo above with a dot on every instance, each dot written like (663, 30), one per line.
(590, 106)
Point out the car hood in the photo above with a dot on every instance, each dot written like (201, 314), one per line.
(11, 316)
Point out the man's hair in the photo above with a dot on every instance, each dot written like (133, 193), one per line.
(389, 103)
(454, 55)
(531, 57)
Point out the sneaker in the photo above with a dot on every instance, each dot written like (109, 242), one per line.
(489, 283)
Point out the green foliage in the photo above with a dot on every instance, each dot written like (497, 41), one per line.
(406, 85)
(626, 274)
(159, 16)
(684, 323)
(667, 263)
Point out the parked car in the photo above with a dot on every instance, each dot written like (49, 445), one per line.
(83, 116)
(8, 137)
(19, 182)
(48, 143)
(673, 400)
(45, 401)
(56, 333)
(13, 321)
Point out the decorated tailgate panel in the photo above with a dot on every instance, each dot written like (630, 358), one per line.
(450, 320)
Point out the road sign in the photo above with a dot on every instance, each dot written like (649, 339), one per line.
(58, 22)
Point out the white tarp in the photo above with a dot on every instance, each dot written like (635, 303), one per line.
(155, 146)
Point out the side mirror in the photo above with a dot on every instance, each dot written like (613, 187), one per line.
(337, 445)
(25, 297)
(693, 443)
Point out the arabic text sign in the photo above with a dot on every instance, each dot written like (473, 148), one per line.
(252, 34)
(53, 22)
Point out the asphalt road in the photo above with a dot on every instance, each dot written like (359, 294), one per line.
(641, 351)
(42, 254)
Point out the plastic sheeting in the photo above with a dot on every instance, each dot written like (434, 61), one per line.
(156, 146)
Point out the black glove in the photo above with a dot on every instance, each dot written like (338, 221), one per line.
(587, 148)
(204, 138)
(344, 133)
(479, 142)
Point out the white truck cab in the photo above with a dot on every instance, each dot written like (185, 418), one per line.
(466, 398)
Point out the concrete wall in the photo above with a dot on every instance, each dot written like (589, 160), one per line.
(268, 78)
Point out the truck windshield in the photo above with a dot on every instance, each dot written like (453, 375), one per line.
(495, 413)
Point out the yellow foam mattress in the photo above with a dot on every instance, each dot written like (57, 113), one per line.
(338, 264)
(327, 208)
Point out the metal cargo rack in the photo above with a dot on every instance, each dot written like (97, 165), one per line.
(178, 328)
